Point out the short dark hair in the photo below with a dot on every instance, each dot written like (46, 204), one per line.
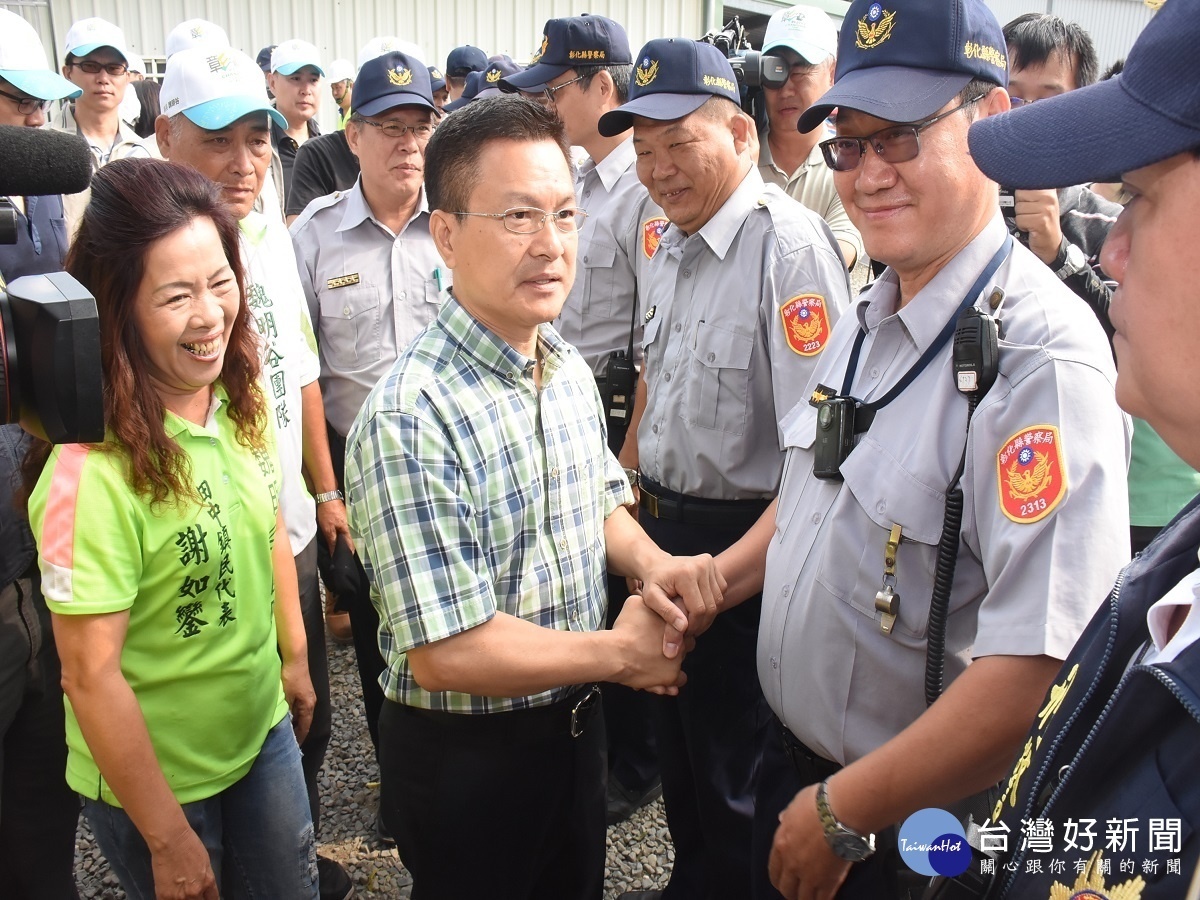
(976, 88)
(619, 74)
(452, 155)
(1115, 69)
(1033, 38)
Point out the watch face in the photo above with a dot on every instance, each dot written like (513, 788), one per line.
(852, 847)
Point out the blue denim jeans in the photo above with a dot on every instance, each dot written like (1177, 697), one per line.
(258, 832)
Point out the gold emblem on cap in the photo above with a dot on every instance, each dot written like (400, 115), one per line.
(401, 76)
(436, 73)
(646, 72)
(872, 34)
(541, 51)
(492, 76)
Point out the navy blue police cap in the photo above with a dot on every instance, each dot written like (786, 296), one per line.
(464, 60)
(672, 77)
(499, 68)
(470, 89)
(1154, 105)
(903, 60)
(437, 81)
(391, 80)
(572, 43)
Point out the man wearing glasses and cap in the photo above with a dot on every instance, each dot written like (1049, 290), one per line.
(38, 812)
(893, 689)
(294, 81)
(742, 293)
(1115, 740)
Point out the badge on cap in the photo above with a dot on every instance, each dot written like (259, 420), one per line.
(652, 232)
(401, 76)
(493, 76)
(874, 28)
(1031, 477)
(541, 51)
(646, 72)
(805, 324)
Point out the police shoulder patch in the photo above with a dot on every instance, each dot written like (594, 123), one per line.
(1031, 473)
(805, 323)
(652, 232)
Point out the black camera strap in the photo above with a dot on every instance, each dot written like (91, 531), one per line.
(865, 412)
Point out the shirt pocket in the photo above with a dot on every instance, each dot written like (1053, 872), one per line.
(596, 258)
(718, 388)
(350, 326)
(879, 492)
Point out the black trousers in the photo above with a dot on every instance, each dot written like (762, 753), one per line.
(38, 811)
(317, 741)
(710, 737)
(507, 806)
(364, 618)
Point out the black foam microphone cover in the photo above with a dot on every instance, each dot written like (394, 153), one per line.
(38, 161)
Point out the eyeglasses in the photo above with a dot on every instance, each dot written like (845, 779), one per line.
(894, 144)
(1014, 102)
(26, 105)
(530, 219)
(397, 130)
(550, 91)
(93, 68)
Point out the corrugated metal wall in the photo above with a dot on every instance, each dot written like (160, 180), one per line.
(1113, 24)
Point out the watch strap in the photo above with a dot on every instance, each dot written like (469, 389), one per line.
(328, 496)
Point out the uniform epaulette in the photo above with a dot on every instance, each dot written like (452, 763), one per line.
(315, 206)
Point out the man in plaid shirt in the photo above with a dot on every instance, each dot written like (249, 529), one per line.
(488, 509)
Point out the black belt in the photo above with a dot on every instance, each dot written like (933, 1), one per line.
(811, 767)
(570, 715)
(666, 504)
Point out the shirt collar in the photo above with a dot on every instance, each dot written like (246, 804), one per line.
(491, 351)
(175, 425)
(612, 167)
(719, 231)
(254, 228)
(925, 315)
(1158, 617)
(357, 210)
(815, 157)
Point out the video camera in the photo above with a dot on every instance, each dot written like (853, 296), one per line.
(51, 380)
(754, 70)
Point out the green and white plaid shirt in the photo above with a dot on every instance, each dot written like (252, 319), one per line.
(470, 493)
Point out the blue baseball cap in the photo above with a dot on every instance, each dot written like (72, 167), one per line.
(491, 78)
(672, 78)
(905, 61)
(437, 81)
(572, 43)
(464, 60)
(391, 80)
(1153, 105)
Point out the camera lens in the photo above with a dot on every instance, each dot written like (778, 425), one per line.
(825, 417)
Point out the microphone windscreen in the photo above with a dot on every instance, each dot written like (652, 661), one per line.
(38, 161)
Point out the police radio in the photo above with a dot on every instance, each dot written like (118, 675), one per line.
(620, 377)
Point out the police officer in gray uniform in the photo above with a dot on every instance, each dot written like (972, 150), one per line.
(743, 292)
(371, 274)
(912, 421)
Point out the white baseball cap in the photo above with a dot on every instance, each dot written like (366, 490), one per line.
(807, 30)
(23, 61)
(215, 88)
(341, 70)
(293, 55)
(136, 64)
(378, 46)
(196, 33)
(88, 35)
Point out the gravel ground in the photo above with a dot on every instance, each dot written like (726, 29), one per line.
(639, 850)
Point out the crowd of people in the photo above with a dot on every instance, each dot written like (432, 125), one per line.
(544, 383)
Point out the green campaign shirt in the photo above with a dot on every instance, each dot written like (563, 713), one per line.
(200, 653)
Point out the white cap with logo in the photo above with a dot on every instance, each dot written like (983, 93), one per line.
(23, 61)
(293, 55)
(807, 30)
(215, 88)
(88, 35)
(378, 46)
(341, 70)
(196, 33)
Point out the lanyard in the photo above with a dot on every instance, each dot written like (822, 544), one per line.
(866, 411)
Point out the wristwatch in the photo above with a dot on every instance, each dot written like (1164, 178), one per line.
(1069, 261)
(328, 495)
(633, 476)
(844, 842)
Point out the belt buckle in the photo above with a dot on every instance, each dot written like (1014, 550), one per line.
(649, 503)
(581, 709)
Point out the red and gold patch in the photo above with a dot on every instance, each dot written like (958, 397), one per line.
(652, 232)
(806, 323)
(1031, 474)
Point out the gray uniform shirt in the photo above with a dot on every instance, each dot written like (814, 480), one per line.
(1044, 527)
(598, 314)
(369, 292)
(737, 315)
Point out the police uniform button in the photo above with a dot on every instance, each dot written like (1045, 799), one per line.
(787, 590)
(404, 295)
(711, 357)
(687, 273)
(881, 506)
(585, 259)
(587, 194)
(874, 371)
(678, 327)
(667, 377)
(816, 519)
(346, 311)
(774, 662)
(654, 428)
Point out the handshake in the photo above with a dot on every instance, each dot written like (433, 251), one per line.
(678, 598)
